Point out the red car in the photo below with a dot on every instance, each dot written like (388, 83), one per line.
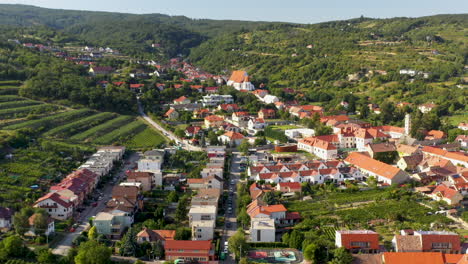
(94, 204)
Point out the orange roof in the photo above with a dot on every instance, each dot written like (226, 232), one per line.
(214, 118)
(456, 258)
(169, 112)
(239, 77)
(436, 134)
(413, 258)
(445, 191)
(180, 99)
(188, 245)
(367, 163)
(166, 234)
(234, 135)
(195, 181)
(447, 154)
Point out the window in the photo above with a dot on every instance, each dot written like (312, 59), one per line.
(441, 245)
(360, 244)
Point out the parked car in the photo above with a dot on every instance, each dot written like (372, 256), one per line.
(94, 204)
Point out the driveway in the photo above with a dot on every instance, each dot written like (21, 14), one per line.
(164, 131)
(64, 246)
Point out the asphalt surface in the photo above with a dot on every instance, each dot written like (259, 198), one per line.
(65, 245)
(231, 218)
(166, 132)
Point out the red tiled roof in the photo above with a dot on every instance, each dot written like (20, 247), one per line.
(234, 135)
(213, 118)
(180, 99)
(413, 258)
(56, 198)
(239, 77)
(188, 244)
(370, 164)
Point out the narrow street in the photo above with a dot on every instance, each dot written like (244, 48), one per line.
(231, 218)
(164, 131)
(64, 246)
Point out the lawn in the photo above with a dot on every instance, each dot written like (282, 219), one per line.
(146, 139)
(284, 127)
(457, 119)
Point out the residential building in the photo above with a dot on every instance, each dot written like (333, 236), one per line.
(201, 251)
(409, 163)
(427, 241)
(262, 230)
(289, 187)
(381, 171)
(269, 99)
(32, 230)
(446, 194)
(385, 148)
(299, 133)
(172, 114)
(256, 124)
(228, 107)
(152, 162)
(240, 81)
(6, 220)
(206, 197)
(426, 108)
(182, 100)
(213, 121)
(203, 230)
(320, 148)
(211, 100)
(56, 206)
(267, 113)
(231, 138)
(154, 236)
(258, 210)
(112, 224)
(457, 158)
(462, 140)
(202, 213)
(192, 131)
(210, 182)
(435, 135)
(463, 126)
(364, 241)
(145, 178)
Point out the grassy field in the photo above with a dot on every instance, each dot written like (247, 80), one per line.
(284, 127)
(146, 138)
(457, 119)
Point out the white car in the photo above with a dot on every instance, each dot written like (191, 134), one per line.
(226, 243)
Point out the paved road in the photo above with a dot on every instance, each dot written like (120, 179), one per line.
(231, 218)
(64, 246)
(166, 132)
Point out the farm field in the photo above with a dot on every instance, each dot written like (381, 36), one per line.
(74, 127)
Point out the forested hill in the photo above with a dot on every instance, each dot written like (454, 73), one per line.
(131, 33)
(318, 58)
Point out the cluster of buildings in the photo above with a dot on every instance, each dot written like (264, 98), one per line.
(306, 171)
(127, 197)
(68, 195)
(410, 246)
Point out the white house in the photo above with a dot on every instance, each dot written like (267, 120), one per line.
(55, 205)
(152, 162)
(6, 215)
(232, 138)
(269, 99)
(320, 148)
(216, 99)
(299, 133)
(203, 230)
(262, 230)
(202, 213)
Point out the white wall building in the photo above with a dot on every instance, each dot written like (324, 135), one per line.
(203, 230)
(262, 230)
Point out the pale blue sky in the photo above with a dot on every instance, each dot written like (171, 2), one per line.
(303, 11)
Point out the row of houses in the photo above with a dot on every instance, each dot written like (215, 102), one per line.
(68, 195)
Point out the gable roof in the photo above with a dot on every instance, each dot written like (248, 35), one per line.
(233, 135)
(56, 198)
(188, 244)
(413, 258)
(364, 162)
(239, 77)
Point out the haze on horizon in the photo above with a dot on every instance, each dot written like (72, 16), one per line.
(298, 11)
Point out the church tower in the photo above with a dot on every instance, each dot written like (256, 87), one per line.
(407, 124)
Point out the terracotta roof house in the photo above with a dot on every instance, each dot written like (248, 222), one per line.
(435, 135)
(192, 131)
(148, 235)
(228, 107)
(145, 178)
(213, 121)
(323, 149)
(171, 114)
(288, 187)
(374, 148)
(446, 194)
(463, 126)
(182, 100)
(364, 241)
(457, 158)
(382, 171)
(232, 138)
(426, 108)
(407, 150)
(57, 206)
(413, 258)
(267, 113)
(201, 251)
(258, 210)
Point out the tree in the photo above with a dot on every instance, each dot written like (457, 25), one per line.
(45, 256)
(92, 252)
(238, 244)
(322, 130)
(179, 133)
(12, 246)
(243, 218)
(92, 233)
(183, 233)
(244, 147)
(244, 260)
(387, 157)
(270, 198)
(21, 223)
(213, 138)
(364, 111)
(341, 256)
(172, 197)
(310, 253)
(295, 239)
(129, 245)
(181, 210)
